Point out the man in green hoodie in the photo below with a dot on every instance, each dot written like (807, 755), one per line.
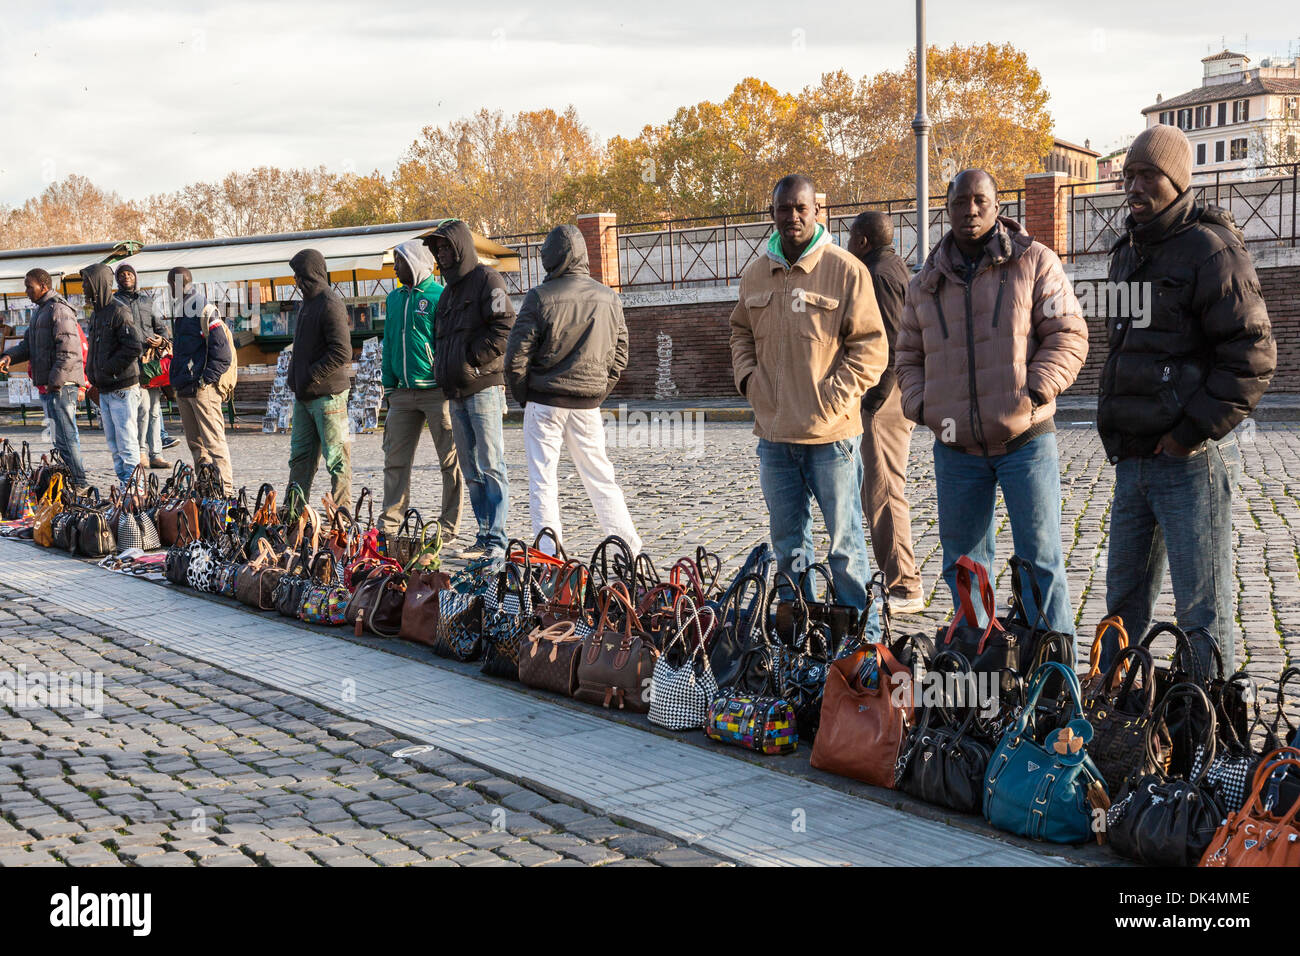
(414, 397)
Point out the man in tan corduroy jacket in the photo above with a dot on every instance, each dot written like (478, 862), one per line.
(807, 341)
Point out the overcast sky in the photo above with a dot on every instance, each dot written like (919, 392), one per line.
(142, 97)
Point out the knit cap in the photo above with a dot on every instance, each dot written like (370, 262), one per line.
(1167, 149)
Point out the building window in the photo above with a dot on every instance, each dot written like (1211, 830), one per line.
(1185, 119)
(1202, 117)
(1237, 149)
(1291, 107)
(1223, 114)
(1240, 111)
(1166, 118)
(1218, 151)
(1200, 154)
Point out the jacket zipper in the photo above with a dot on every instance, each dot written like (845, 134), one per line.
(406, 324)
(976, 422)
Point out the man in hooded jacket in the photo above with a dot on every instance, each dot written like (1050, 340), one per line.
(474, 318)
(414, 398)
(113, 367)
(565, 354)
(318, 376)
(201, 355)
(52, 347)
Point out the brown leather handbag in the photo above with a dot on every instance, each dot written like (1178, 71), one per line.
(419, 621)
(862, 729)
(180, 499)
(255, 584)
(616, 666)
(549, 659)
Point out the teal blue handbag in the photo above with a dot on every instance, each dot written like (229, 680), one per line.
(1046, 791)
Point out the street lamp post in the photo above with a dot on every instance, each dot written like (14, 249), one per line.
(921, 126)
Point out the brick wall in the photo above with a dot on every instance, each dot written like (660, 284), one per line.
(701, 356)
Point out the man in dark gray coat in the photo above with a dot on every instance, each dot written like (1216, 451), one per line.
(565, 354)
(52, 347)
(153, 335)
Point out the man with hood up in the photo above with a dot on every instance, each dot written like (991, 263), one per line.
(414, 398)
(318, 376)
(565, 354)
(52, 347)
(113, 367)
(474, 319)
(153, 336)
(202, 355)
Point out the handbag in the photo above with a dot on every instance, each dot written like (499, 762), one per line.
(1230, 767)
(22, 496)
(89, 532)
(420, 609)
(616, 665)
(841, 619)
(1122, 720)
(801, 676)
(738, 624)
(255, 583)
(459, 633)
(409, 539)
(1273, 736)
(177, 499)
(1256, 835)
(1036, 642)
(508, 624)
(1045, 790)
(293, 585)
(943, 761)
(1093, 681)
(748, 713)
(867, 712)
(682, 686)
(176, 565)
(549, 659)
(570, 599)
(990, 649)
(1161, 820)
(324, 600)
(50, 504)
(10, 462)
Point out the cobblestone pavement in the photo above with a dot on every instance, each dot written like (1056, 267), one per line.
(699, 486)
(186, 764)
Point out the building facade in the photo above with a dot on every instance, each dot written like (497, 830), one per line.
(1239, 116)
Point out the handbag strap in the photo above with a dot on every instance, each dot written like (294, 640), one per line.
(809, 576)
(1196, 694)
(1184, 653)
(1145, 666)
(1036, 684)
(1022, 570)
(1279, 716)
(801, 618)
(709, 567)
(966, 565)
(687, 568)
(622, 562)
(609, 595)
(1235, 744)
(555, 538)
(734, 598)
(647, 575)
(1112, 623)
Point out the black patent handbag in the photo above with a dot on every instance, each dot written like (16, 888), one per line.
(943, 761)
(740, 617)
(1162, 820)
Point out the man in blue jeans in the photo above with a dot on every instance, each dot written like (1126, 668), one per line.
(473, 318)
(52, 347)
(807, 341)
(113, 367)
(990, 334)
(1178, 379)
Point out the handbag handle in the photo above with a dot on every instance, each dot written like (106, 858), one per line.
(801, 608)
(685, 567)
(1279, 716)
(1184, 653)
(647, 575)
(555, 538)
(1020, 570)
(1112, 623)
(327, 556)
(1196, 693)
(692, 616)
(734, 597)
(295, 501)
(1235, 744)
(609, 595)
(810, 573)
(622, 563)
(709, 567)
(960, 666)
(1145, 666)
(1036, 684)
(965, 565)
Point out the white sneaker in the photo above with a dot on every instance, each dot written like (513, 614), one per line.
(906, 605)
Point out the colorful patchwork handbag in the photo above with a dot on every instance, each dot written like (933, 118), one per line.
(763, 724)
(460, 626)
(324, 601)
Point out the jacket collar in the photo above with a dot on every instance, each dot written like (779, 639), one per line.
(808, 259)
(1007, 241)
(1179, 216)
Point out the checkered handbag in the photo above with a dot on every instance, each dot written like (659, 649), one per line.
(507, 625)
(460, 626)
(681, 692)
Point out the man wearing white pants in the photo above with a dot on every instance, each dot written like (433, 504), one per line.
(566, 352)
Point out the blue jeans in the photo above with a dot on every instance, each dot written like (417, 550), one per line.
(119, 412)
(1030, 478)
(792, 476)
(61, 409)
(480, 446)
(149, 421)
(1176, 512)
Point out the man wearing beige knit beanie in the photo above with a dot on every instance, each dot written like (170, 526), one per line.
(1187, 363)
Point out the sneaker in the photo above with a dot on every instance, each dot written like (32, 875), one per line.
(156, 461)
(906, 605)
(474, 551)
(170, 442)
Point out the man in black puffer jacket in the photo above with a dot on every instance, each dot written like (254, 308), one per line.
(201, 355)
(565, 354)
(474, 317)
(153, 336)
(113, 367)
(318, 375)
(1188, 360)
